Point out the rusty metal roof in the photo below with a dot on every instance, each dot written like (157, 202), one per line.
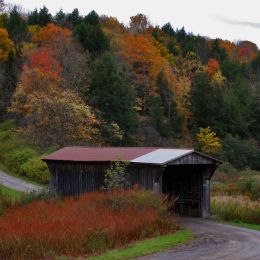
(98, 154)
(142, 155)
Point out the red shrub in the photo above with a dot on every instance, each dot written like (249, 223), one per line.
(89, 224)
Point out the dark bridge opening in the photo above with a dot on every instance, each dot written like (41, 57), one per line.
(185, 182)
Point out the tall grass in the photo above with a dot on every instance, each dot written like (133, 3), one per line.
(89, 224)
(236, 208)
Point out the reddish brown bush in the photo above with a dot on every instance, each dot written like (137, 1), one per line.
(90, 224)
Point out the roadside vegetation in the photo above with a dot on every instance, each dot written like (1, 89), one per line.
(19, 158)
(146, 246)
(88, 225)
(237, 208)
(10, 198)
(5, 191)
(236, 196)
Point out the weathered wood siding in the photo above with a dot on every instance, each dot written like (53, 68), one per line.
(144, 176)
(69, 178)
(73, 178)
(192, 158)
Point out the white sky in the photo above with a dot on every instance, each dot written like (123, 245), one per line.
(226, 19)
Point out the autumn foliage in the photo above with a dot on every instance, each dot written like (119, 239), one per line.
(143, 57)
(208, 141)
(212, 67)
(90, 224)
(45, 101)
(52, 35)
(41, 64)
(6, 45)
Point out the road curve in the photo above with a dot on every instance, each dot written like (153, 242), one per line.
(215, 241)
(18, 184)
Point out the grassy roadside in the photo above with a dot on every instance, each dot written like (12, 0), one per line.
(246, 225)
(24, 178)
(145, 247)
(240, 224)
(10, 192)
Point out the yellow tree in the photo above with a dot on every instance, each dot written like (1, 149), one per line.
(58, 118)
(208, 141)
(6, 45)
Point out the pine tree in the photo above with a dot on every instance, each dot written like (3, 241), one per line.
(33, 17)
(60, 18)
(91, 35)
(44, 16)
(169, 105)
(112, 94)
(92, 18)
(74, 18)
(16, 25)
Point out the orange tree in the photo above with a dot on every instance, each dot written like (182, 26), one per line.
(53, 115)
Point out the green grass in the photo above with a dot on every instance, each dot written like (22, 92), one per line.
(10, 192)
(245, 225)
(147, 246)
(238, 223)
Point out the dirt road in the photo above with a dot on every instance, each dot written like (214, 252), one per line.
(17, 184)
(215, 241)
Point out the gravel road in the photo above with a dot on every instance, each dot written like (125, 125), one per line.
(215, 241)
(17, 184)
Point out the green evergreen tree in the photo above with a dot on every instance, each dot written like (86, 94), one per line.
(206, 104)
(91, 35)
(157, 118)
(60, 18)
(255, 109)
(92, 18)
(74, 18)
(44, 16)
(112, 94)
(16, 26)
(217, 52)
(167, 28)
(231, 70)
(33, 17)
(169, 105)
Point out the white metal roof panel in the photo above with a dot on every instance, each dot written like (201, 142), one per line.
(161, 156)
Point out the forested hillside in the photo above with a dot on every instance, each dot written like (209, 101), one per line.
(70, 79)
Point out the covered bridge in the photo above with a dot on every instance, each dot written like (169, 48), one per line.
(183, 173)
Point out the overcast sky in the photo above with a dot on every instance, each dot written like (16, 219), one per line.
(228, 19)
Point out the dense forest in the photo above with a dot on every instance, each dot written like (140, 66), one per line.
(68, 79)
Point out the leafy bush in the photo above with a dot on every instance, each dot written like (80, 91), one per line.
(18, 157)
(36, 170)
(226, 168)
(86, 225)
(116, 176)
(251, 187)
(15, 159)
